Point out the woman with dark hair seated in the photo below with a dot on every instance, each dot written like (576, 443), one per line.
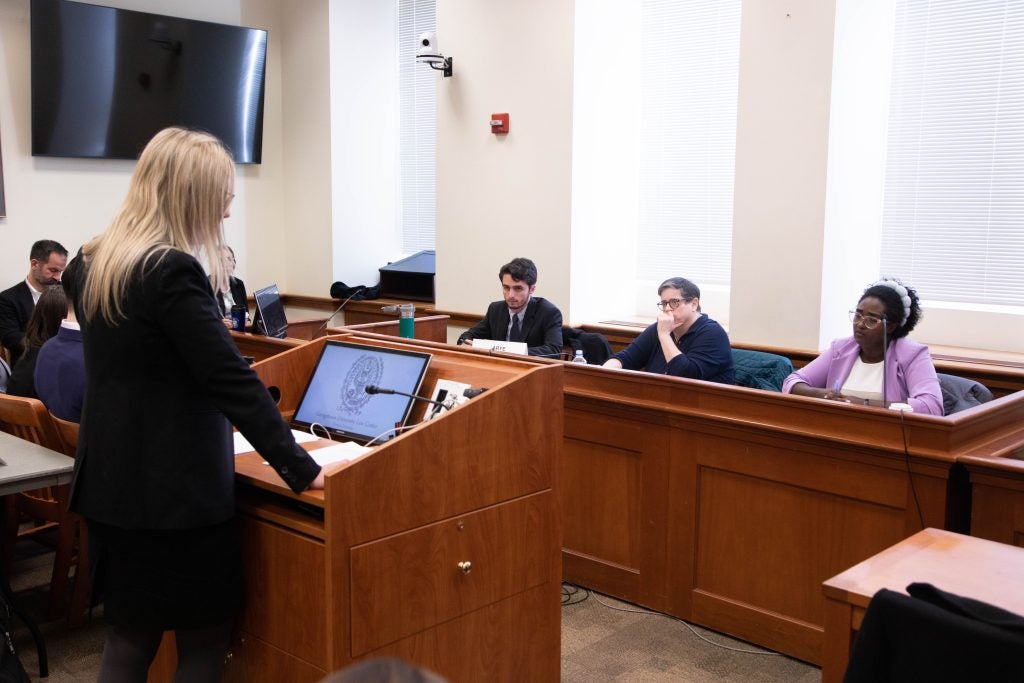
(684, 342)
(852, 369)
(47, 314)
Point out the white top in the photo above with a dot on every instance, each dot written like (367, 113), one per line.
(865, 380)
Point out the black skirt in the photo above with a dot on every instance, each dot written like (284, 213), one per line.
(166, 579)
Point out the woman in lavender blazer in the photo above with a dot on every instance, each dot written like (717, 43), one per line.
(852, 369)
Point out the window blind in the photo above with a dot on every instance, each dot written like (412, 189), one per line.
(417, 114)
(953, 208)
(689, 77)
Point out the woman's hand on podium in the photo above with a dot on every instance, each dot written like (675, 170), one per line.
(318, 483)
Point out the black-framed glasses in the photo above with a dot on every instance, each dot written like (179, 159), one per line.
(673, 304)
(869, 321)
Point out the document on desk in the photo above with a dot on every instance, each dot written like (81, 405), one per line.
(339, 452)
(242, 444)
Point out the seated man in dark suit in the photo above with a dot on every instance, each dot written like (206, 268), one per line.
(521, 316)
(60, 365)
(47, 260)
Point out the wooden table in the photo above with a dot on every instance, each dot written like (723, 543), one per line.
(964, 565)
(30, 466)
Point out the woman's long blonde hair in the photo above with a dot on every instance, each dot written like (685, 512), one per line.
(176, 200)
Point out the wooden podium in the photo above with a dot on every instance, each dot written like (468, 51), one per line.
(441, 546)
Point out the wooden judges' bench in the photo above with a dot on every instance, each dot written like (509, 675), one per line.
(729, 506)
(441, 546)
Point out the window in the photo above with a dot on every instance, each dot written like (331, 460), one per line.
(688, 93)
(953, 208)
(417, 113)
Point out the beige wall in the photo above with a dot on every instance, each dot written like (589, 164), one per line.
(71, 200)
(499, 197)
(781, 155)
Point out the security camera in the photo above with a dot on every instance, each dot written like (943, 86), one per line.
(427, 50)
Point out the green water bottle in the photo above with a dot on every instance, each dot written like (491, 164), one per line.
(406, 321)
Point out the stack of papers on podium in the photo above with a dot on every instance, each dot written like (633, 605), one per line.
(242, 444)
(339, 452)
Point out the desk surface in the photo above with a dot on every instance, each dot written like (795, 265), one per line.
(30, 466)
(968, 566)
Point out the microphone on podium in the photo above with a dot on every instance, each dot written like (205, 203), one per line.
(374, 389)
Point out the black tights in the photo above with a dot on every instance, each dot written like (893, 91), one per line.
(128, 654)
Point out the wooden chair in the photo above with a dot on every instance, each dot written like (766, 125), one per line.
(27, 418)
(68, 432)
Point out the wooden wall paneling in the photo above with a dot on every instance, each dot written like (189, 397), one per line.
(261, 347)
(428, 328)
(419, 467)
(420, 569)
(529, 651)
(251, 659)
(282, 597)
(769, 495)
(997, 498)
(614, 496)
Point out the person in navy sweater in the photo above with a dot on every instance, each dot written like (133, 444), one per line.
(60, 365)
(684, 342)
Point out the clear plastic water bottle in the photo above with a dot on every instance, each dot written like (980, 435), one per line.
(578, 358)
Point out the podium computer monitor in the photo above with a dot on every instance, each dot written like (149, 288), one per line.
(270, 319)
(336, 397)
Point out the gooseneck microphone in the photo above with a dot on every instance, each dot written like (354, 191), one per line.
(343, 304)
(374, 389)
(885, 355)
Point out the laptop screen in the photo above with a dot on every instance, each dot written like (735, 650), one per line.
(270, 319)
(336, 397)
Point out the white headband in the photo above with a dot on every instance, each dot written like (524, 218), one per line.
(898, 287)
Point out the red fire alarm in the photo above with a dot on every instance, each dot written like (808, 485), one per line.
(499, 124)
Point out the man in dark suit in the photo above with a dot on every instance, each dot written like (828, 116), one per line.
(46, 263)
(521, 316)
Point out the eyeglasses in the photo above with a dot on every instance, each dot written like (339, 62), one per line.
(870, 322)
(672, 304)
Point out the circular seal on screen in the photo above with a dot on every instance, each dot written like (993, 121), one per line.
(366, 370)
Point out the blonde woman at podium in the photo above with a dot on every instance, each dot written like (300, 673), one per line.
(154, 474)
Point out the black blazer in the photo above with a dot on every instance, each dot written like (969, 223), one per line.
(16, 306)
(155, 446)
(542, 327)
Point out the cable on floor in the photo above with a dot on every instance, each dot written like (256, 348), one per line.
(569, 590)
(766, 653)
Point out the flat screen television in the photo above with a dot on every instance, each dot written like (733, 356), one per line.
(336, 397)
(105, 80)
(270, 318)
